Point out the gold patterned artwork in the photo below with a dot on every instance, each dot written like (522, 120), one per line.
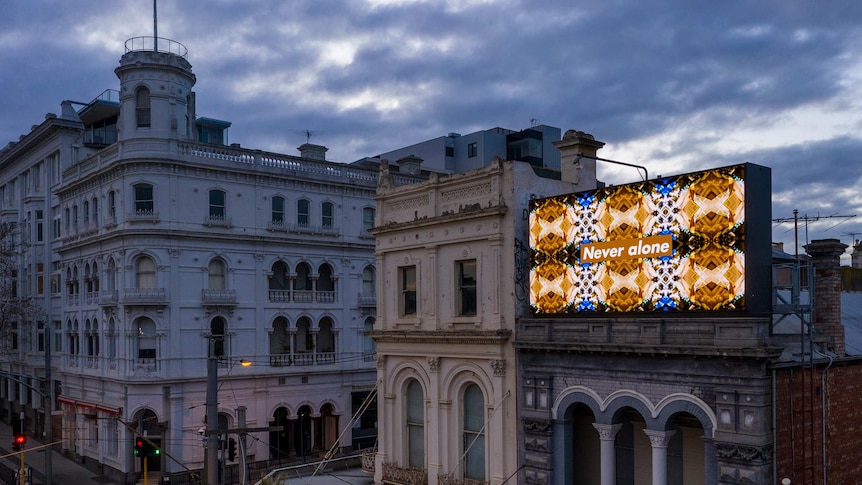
(669, 244)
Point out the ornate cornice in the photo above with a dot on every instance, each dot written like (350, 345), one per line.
(733, 451)
(495, 337)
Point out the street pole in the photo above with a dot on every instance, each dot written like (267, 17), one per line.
(240, 416)
(212, 416)
(49, 418)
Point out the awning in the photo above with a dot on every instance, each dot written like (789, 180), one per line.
(88, 405)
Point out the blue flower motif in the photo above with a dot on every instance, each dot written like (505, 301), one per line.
(586, 200)
(586, 305)
(665, 303)
(665, 186)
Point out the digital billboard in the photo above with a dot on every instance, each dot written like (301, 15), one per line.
(693, 242)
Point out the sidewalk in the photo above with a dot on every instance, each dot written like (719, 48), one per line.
(66, 471)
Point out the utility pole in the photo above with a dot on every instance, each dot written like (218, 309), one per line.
(808, 219)
(240, 417)
(49, 408)
(212, 416)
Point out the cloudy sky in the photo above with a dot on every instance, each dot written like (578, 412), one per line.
(674, 85)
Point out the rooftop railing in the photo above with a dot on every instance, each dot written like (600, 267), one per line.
(156, 44)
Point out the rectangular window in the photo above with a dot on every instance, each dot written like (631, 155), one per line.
(39, 231)
(466, 287)
(408, 290)
(450, 151)
(112, 204)
(86, 213)
(217, 205)
(326, 214)
(58, 337)
(96, 212)
(472, 150)
(144, 200)
(302, 212)
(367, 218)
(278, 210)
(40, 278)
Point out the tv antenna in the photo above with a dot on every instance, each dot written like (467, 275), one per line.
(308, 134)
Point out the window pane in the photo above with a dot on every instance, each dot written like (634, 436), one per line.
(326, 217)
(278, 210)
(302, 212)
(367, 218)
(467, 287)
(408, 290)
(474, 433)
(217, 204)
(415, 413)
(144, 199)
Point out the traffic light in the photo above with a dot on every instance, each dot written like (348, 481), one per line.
(19, 441)
(231, 449)
(145, 448)
(140, 447)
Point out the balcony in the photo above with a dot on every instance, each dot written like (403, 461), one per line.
(302, 359)
(404, 476)
(367, 300)
(218, 221)
(144, 296)
(218, 297)
(450, 480)
(301, 296)
(143, 216)
(109, 297)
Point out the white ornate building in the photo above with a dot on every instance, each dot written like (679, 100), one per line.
(147, 238)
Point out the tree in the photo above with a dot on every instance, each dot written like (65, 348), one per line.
(17, 309)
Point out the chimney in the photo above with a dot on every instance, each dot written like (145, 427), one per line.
(826, 259)
(576, 165)
(856, 255)
(314, 152)
(409, 165)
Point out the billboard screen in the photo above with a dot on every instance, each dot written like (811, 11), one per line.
(681, 243)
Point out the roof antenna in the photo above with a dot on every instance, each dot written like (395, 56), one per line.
(155, 28)
(308, 134)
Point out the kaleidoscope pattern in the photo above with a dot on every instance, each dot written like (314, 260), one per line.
(703, 211)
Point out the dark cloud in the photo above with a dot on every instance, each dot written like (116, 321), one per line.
(675, 85)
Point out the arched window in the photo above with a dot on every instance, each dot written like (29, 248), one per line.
(142, 107)
(303, 339)
(302, 212)
(278, 210)
(325, 284)
(415, 425)
(95, 206)
(145, 273)
(326, 214)
(368, 281)
(325, 337)
(112, 339)
(111, 275)
(278, 280)
(86, 213)
(368, 347)
(302, 285)
(474, 433)
(216, 275)
(146, 338)
(279, 339)
(218, 330)
(88, 279)
(95, 277)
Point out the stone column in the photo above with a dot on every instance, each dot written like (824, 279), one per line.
(659, 441)
(826, 260)
(607, 434)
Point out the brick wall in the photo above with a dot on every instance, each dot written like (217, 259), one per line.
(799, 424)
